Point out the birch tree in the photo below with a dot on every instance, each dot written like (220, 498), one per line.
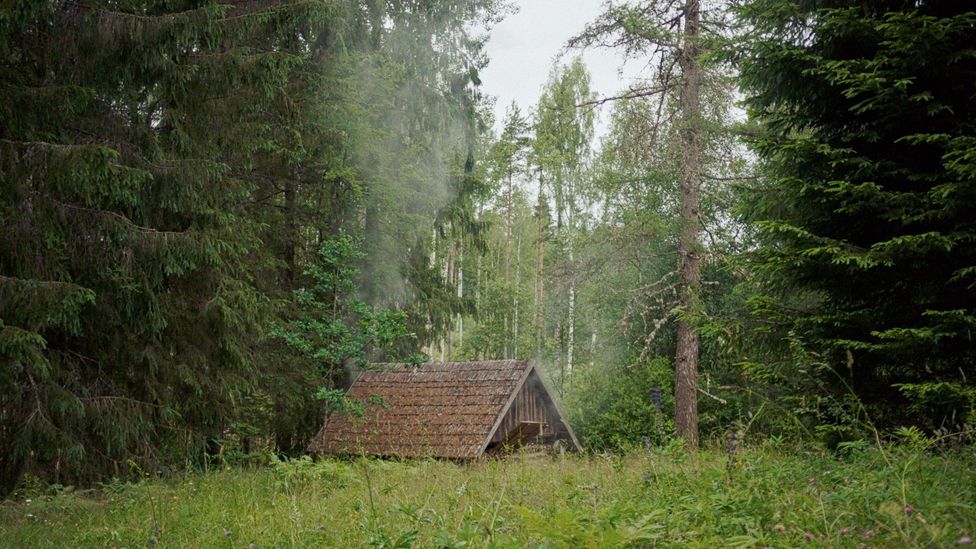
(562, 145)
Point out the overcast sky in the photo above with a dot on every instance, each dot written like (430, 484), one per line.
(523, 47)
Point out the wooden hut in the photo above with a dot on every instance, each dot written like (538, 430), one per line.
(454, 410)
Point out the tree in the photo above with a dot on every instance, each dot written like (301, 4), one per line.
(127, 309)
(335, 332)
(689, 261)
(561, 147)
(171, 171)
(508, 156)
(677, 36)
(869, 145)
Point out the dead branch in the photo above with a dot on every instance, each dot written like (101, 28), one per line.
(630, 94)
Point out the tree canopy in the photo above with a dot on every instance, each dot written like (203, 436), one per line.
(866, 205)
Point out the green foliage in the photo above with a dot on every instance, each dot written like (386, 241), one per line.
(951, 403)
(168, 174)
(333, 329)
(784, 497)
(864, 213)
(128, 311)
(336, 334)
(613, 408)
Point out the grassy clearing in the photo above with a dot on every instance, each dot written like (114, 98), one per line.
(766, 498)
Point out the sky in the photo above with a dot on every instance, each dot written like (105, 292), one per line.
(523, 47)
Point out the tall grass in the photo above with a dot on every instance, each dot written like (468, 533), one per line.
(759, 497)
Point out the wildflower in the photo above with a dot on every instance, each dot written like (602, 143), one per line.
(227, 533)
(869, 533)
(909, 510)
(808, 536)
(965, 540)
(844, 531)
(779, 527)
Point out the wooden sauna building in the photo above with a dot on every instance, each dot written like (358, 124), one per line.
(458, 410)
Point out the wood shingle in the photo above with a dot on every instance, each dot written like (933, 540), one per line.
(449, 409)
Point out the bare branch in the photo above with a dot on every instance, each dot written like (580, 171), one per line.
(630, 94)
(710, 395)
(731, 178)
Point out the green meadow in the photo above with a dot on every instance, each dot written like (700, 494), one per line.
(760, 497)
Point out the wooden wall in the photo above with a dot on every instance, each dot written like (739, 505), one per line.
(531, 404)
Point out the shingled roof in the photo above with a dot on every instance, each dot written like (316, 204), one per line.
(448, 409)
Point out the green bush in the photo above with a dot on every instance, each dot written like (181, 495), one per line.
(613, 409)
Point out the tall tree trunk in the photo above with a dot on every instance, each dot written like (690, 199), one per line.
(560, 336)
(686, 357)
(460, 292)
(291, 233)
(433, 266)
(592, 349)
(450, 274)
(433, 246)
(508, 226)
(539, 258)
(515, 295)
(571, 320)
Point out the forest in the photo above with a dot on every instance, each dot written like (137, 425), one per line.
(752, 289)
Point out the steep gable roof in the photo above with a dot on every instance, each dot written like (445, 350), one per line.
(448, 409)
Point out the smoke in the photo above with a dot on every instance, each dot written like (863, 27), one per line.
(416, 119)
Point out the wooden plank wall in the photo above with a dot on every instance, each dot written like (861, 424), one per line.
(528, 405)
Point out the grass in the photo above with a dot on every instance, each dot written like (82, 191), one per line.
(764, 497)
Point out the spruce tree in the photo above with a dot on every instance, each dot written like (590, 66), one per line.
(128, 312)
(868, 135)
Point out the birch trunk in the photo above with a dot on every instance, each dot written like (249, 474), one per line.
(508, 226)
(433, 265)
(571, 321)
(686, 356)
(450, 274)
(515, 295)
(592, 349)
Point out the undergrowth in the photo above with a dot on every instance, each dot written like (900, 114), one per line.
(757, 497)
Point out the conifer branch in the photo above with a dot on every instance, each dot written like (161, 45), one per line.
(17, 280)
(108, 213)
